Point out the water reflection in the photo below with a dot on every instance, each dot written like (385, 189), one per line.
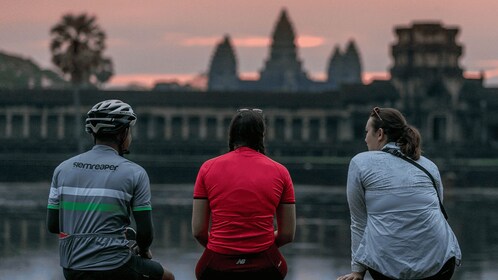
(321, 249)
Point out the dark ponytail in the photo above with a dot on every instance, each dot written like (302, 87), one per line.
(394, 124)
(409, 142)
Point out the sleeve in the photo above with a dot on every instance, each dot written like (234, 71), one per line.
(52, 219)
(53, 196)
(141, 194)
(288, 195)
(200, 191)
(439, 185)
(357, 209)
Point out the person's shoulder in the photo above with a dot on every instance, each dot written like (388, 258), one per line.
(367, 159)
(426, 162)
(275, 163)
(129, 169)
(68, 162)
(213, 161)
(132, 165)
(367, 156)
(272, 160)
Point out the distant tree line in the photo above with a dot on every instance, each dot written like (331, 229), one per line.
(77, 47)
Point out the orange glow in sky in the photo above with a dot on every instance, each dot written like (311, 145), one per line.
(159, 39)
(148, 80)
(251, 42)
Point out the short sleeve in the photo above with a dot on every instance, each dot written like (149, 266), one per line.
(288, 196)
(200, 191)
(53, 197)
(142, 196)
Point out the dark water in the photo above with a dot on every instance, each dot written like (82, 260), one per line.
(321, 249)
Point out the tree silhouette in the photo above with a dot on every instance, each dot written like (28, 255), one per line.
(104, 71)
(77, 45)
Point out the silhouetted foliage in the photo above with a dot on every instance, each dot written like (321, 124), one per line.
(17, 72)
(77, 46)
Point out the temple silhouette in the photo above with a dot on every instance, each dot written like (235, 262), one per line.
(314, 127)
(283, 70)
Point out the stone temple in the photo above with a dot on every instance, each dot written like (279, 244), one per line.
(283, 70)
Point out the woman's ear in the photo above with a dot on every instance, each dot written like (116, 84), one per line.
(380, 134)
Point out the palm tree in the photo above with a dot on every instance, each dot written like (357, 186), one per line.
(104, 71)
(77, 46)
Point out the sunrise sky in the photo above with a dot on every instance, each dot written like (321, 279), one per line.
(155, 40)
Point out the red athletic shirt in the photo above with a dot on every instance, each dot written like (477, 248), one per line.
(244, 188)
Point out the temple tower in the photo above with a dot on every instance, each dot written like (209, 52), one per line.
(426, 55)
(283, 70)
(223, 74)
(344, 67)
(427, 74)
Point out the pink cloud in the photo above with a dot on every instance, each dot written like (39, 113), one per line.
(368, 77)
(476, 74)
(249, 42)
(199, 41)
(249, 76)
(149, 79)
(491, 73)
(310, 41)
(488, 67)
(318, 76)
(487, 63)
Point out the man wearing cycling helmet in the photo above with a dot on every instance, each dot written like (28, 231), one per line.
(91, 199)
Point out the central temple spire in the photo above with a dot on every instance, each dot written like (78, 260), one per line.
(283, 35)
(283, 70)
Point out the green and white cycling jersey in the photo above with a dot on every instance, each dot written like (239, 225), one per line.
(95, 193)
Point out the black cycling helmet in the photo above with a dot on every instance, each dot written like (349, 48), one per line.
(109, 116)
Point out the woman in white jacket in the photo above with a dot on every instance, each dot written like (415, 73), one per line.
(398, 229)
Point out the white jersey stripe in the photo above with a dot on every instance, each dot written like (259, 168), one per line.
(95, 192)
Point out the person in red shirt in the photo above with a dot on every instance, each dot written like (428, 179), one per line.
(236, 197)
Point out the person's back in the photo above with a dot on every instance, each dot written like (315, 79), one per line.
(404, 218)
(398, 226)
(237, 196)
(95, 190)
(244, 188)
(92, 199)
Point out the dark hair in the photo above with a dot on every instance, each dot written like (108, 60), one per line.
(247, 128)
(396, 128)
(117, 137)
(110, 137)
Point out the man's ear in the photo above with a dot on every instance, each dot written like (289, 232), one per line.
(122, 135)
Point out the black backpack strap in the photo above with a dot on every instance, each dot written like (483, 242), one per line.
(397, 153)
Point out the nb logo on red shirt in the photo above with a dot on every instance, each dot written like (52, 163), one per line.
(241, 261)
